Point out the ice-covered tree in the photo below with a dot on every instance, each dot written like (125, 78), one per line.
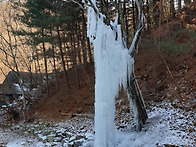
(114, 64)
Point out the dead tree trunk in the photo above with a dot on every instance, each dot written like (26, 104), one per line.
(136, 101)
(133, 91)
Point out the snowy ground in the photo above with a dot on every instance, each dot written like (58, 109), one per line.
(166, 126)
(12, 139)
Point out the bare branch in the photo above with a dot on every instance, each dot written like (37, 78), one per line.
(3, 72)
(78, 4)
(7, 64)
(134, 45)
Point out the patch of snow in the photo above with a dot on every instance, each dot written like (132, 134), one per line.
(166, 125)
(18, 88)
(40, 144)
(16, 143)
(12, 139)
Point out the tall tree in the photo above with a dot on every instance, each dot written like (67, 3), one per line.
(147, 12)
(179, 5)
(172, 9)
(36, 16)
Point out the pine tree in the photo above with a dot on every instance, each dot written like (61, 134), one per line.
(36, 17)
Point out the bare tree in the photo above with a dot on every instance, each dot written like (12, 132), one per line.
(10, 55)
(10, 48)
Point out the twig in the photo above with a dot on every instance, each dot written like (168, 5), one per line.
(78, 4)
(170, 73)
(75, 114)
(2, 72)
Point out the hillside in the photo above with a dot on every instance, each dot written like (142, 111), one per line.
(160, 76)
(60, 105)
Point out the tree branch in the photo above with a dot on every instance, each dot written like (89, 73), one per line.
(78, 4)
(134, 45)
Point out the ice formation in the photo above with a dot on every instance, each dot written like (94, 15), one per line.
(112, 62)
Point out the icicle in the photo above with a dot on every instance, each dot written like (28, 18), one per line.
(111, 62)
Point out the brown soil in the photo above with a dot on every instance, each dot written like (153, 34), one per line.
(165, 77)
(65, 103)
(160, 76)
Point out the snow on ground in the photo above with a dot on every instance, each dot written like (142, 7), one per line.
(12, 139)
(166, 125)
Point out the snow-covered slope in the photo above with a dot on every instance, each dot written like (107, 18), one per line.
(166, 125)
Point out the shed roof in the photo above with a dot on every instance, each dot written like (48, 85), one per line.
(26, 77)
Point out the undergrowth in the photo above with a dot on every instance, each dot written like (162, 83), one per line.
(180, 41)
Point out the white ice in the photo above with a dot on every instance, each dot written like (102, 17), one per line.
(111, 66)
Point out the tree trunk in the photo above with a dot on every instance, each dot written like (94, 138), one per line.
(133, 11)
(54, 62)
(38, 68)
(89, 51)
(136, 102)
(75, 60)
(179, 5)
(76, 30)
(82, 39)
(45, 63)
(67, 57)
(54, 65)
(156, 13)
(31, 78)
(172, 9)
(62, 59)
(148, 16)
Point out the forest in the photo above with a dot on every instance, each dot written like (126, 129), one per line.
(45, 46)
(50, 36)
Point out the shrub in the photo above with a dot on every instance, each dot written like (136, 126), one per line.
(180, 42)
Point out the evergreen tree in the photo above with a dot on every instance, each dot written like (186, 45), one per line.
(55, 23)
